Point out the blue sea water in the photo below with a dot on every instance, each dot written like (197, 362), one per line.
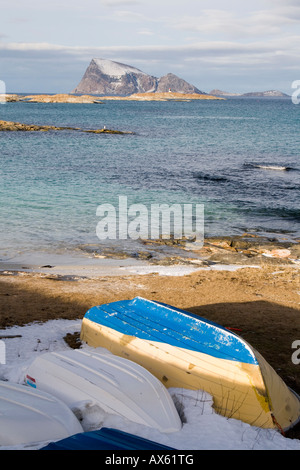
(238, 157)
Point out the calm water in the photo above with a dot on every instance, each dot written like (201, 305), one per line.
(218, 153)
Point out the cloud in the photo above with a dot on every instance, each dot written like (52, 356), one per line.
(145, 32)
(113, 3)
(129, 16)
(217, 51)
(47, 67)
(227, 23)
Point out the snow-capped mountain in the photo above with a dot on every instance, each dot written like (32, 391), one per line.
(109, 78)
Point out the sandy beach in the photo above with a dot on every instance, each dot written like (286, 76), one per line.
(248, 284)
(259, 301)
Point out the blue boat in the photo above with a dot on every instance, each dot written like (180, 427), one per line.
(184, 350)
(105, 439)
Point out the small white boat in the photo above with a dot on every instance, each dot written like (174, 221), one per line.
(96, 378)
(29, 416)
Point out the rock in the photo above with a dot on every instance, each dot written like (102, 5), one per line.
(166, 96)
(171, 82)
(17, 126)
(60, 98)
(230, 258)
(90, 99)
(106, 77)
(107, 131)
(169, 241)
(295, 250)
(277, 253)
(9, 98)
(259, 94)
(267, 94)
(248, 249)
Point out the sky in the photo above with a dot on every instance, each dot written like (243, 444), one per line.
(232, 45)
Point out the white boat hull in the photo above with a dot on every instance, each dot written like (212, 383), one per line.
(29, 416)
(115, 385)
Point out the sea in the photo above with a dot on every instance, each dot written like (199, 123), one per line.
(238, 159)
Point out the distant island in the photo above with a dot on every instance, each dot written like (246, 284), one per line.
(267, 94)
(93, 99)
(11, 126)
(164, 96)
(258, 94)
(48, 98)
(108, 78)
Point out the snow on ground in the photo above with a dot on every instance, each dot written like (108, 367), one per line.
(202, 428)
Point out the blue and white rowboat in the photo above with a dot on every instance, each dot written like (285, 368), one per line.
(184, 350)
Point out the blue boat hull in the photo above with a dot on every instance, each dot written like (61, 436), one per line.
(185, 350)
(105, 439)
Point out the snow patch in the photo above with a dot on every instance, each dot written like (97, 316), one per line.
(202, 428)
(115, 69)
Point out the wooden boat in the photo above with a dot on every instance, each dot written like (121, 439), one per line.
(184, 350)
(29, 416)
(106, 439)
(100, 381)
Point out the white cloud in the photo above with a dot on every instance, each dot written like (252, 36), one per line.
(201, 39)
(225, 23)
(113, 3)
(218, 52)
(146, 32)
(129, 16)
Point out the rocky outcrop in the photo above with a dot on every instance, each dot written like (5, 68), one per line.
(17, 126)
(171, 82)
(246, 250)
(105, 77)
(259, 94)
(109, 78)
(168, 96)
(267, 94)
(60, 98)
(8, 98)
(85, 99)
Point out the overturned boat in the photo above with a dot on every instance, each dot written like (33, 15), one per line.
(96, 380)
(28, 417)
(184, 350)
(105, 439)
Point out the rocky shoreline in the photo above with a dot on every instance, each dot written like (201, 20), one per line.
(93, 99)
(244, 250)
(18, 126)
(58, 98)
(165, 96)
